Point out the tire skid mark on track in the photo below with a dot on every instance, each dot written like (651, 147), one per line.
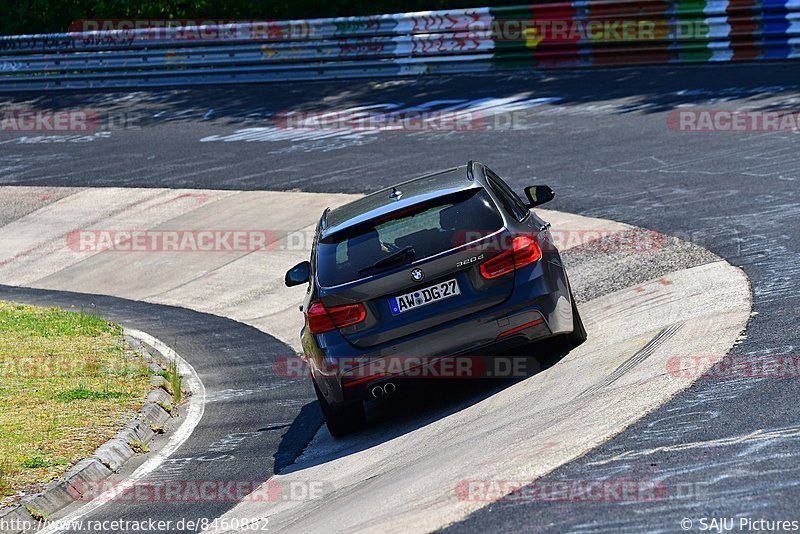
(641, 355)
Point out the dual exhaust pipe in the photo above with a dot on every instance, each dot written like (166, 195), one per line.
(386, 389)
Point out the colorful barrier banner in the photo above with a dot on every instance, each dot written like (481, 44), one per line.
(582, 33)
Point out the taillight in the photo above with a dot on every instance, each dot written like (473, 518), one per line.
(322, 319)
(524, 251)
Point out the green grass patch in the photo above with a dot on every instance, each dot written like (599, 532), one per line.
(36, 513)
(68, 383)
(34, 462)
(139, 447)
(52, 322)
(172, 376)
(81, 393)
(5, 477)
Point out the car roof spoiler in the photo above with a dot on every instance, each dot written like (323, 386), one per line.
(324, 220)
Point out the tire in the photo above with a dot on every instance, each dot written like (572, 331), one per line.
(578, 334)
(341, 420)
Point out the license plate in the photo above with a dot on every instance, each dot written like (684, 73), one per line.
(423, 297)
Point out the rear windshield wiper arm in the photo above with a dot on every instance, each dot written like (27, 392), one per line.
(405, 254)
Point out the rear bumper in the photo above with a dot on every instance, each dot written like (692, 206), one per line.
(539, 307)
(465, 348)
(483, 362)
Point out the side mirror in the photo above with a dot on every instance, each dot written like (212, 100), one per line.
(538, 195)
(299, 274)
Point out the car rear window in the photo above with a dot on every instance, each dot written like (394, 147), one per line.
(429, 228)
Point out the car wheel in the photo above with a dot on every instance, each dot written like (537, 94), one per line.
(578, 334)
(341, 420)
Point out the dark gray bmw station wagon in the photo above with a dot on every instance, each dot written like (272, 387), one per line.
(449, 265)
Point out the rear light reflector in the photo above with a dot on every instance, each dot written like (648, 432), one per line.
(520, 328)
(322, 319)
(524, 251)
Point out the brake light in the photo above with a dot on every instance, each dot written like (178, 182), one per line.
(524, 251)
(322, 319)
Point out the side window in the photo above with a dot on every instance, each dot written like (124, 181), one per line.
(507, 196)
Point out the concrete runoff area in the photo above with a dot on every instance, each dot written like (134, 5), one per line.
(635, 326)
(37, 250)
(530, 428)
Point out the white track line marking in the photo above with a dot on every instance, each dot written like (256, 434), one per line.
(194, 414)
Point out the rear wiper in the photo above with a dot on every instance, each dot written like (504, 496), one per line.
(405, 254)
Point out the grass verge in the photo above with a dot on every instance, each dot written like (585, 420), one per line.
(173, 377)
(68, 383)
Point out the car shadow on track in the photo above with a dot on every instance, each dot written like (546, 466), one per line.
(407, 410)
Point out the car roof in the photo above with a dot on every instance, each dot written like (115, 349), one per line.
(410, 193)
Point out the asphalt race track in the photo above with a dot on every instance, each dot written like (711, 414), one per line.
(601, 139)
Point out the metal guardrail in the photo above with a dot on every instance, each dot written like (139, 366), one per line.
(467, 40)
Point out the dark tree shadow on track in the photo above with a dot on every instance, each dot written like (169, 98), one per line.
(226, 137)
(648, 89)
